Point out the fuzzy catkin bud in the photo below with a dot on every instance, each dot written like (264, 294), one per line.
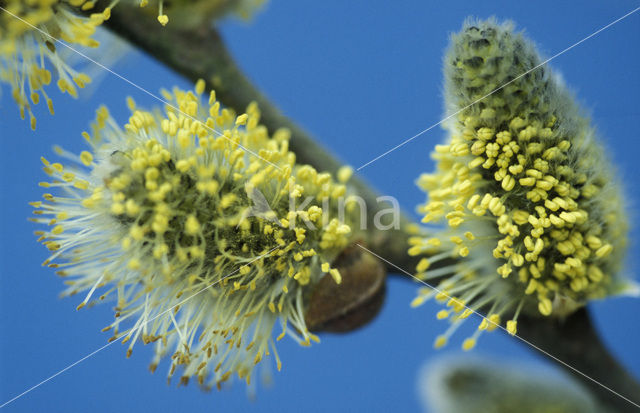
(29, 31)
(24, 48)
(470, 385)
(527, 199)
(200, 226)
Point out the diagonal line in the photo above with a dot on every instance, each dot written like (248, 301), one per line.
(499, 326)
(156, 97)
(497, 89)
(124, 335)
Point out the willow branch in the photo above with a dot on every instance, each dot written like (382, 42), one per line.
(576, 342)
(201, 54)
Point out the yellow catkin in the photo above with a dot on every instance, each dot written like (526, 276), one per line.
(531, 210)
(24, 48)
(30, 31)
(167, 206)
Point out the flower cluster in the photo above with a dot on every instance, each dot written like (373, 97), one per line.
(188, 217)
(28, 49)
(29, 31)
(523, 196)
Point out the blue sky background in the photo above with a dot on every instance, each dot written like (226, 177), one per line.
(362, 79)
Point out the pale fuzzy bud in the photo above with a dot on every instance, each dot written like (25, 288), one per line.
(462, 385)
